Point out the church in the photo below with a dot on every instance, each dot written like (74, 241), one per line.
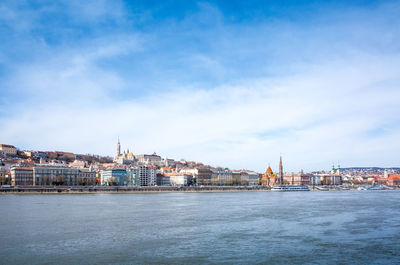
(125, 157)
(271, 179)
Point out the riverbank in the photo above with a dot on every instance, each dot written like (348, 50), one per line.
(98, 189)
(153, 189)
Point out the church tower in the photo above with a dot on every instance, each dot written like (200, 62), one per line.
(118, 148)
(280, 171)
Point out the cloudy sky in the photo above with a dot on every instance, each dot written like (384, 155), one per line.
(228, 83)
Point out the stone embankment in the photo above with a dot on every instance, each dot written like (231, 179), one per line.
(124, 189)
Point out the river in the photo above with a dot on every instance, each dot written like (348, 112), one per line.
(318, 227)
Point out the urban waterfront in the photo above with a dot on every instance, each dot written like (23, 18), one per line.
(180, 228)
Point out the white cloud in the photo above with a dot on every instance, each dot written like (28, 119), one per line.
(315, 112)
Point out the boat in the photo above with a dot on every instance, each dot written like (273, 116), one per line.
(373, 187)
(377, 187)
(291, 188)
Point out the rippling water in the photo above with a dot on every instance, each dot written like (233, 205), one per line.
(180, 228)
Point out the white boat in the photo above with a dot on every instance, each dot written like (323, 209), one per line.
(373, 187)
(291, 188)
(377, 187)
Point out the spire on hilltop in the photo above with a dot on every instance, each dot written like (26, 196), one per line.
(280, 170)
(118, 148)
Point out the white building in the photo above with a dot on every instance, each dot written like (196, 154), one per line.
(180, 179)
(147, 175)
(153, 159)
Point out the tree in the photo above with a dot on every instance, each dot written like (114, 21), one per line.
(112, 181)
(59, 180)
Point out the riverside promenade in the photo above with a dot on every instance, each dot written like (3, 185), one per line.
(129, 189)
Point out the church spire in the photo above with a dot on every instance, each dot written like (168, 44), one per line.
(280, 171)
(118, 148)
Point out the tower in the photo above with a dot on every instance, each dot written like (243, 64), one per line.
(118, 148)
(280, 171)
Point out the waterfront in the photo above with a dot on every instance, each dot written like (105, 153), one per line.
(180, 228)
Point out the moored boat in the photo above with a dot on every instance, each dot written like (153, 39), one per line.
(291, 188)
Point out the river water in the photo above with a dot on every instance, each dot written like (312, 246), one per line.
(347, 227)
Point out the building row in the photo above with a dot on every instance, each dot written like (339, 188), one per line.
(45, 175)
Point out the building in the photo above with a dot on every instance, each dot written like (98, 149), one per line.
(133, 176)
(78, 164)
(329, 179)
(114, 177)
(269, 178)
(221, 177)
(253, 178)
(391, 180)
(45, 175)
(126, 157)
(181, 179)
(163, 180)
(22, 176)
(86, 177)
(8, 149)
(153, 159)
(147, 175)
(394, 180)
(315, 180)
(2, 173)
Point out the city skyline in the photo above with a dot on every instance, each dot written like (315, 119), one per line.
(231, 85)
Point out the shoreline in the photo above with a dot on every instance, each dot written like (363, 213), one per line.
(143, 190)
(127, 190)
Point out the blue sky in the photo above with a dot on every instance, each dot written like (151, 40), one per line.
(229, 83)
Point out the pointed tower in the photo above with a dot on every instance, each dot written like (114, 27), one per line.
(118, 148)
(280, 171)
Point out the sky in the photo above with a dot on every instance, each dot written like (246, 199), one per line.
(228, 83)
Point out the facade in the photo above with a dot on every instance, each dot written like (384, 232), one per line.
(292, 179)
(153, 159)
(181, 179)
(331, 180)
(86, 177)
(221, 177)
(315, 180)
(133, 177)
(8, 149)
(163, 180)
(253, 178)
(147, 175)
(114, 177)
(54, 175)
(236, 177)
(391, 180)
(201, 175)
(22, 176)
(2, 170)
